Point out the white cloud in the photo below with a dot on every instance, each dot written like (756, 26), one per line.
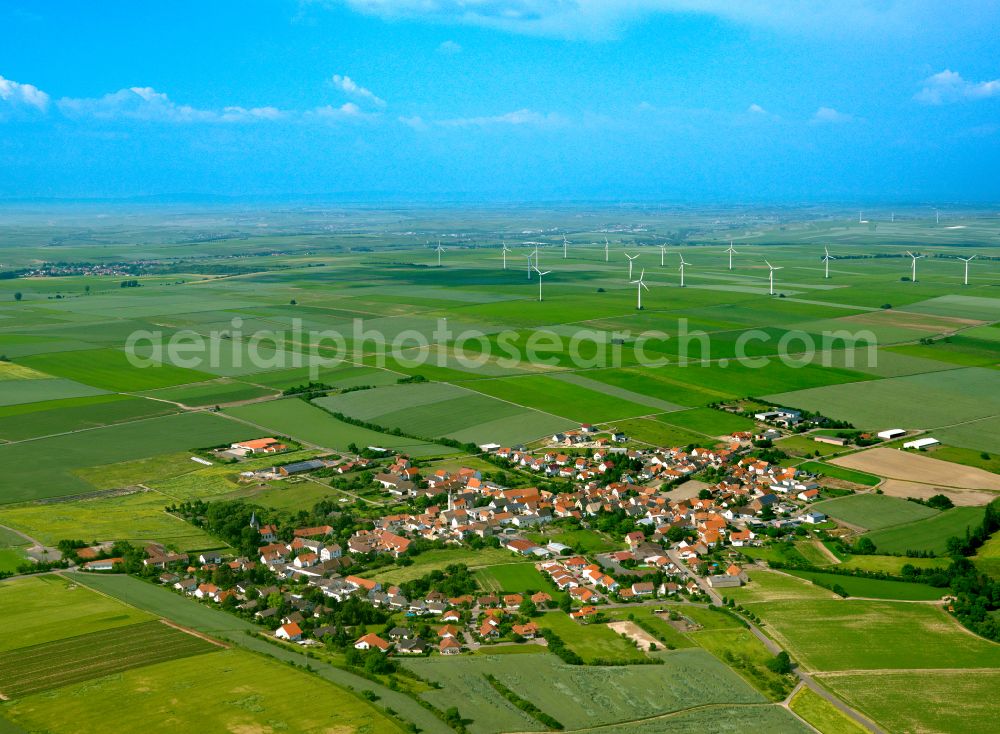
(346, 111)
(134, 103)
(523, 117)
(949, 86)
(349, 86)
(15, 94)
(241, 114)
(609, 18)
(416, 122)
(756, 109)
(449, 47)
(828, 115)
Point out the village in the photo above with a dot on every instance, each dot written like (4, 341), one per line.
(683, 541)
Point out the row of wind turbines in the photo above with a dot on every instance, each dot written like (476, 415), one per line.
(640, 282)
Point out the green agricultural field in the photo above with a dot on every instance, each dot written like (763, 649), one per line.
(946, 397)
(951, 702)
(433, 560)
(976, 438)
(586, 541)
(138, 471)
(781, 552)
(439, 409)
(846, 634)
(739, 649)
(813, 552)
(20, 392)
(988, 557)
(217, 392)
(715, 618)
(767, 586)
(47, 608)
(719, 720)
(247, 693)
(138, 517)
(806, 446)
(513, 578)
(591, 641)
(656, 433)
(822, 714)
(708, 421)
(892, 564)
(930, 534)
(874, 588)
(38, 668)
(46, 467)
(967, 456)
(74, 414)
(838, 472)
(309, 424)
(874, 511)
(579, 696)
(559, 398)
(11, 559)
(205, 482)
(109, 369)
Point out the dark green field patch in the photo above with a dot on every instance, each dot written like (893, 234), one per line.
(217, 392)
(839, 472)
(60, 663)
(109, 369)
(101, 411)
(930, 534)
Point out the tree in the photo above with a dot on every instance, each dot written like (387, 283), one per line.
(780, 663)
(18, 296)
(705, 494)
(940, 502)
(864, 547)
(527, 608)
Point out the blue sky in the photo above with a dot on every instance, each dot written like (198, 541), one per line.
(696, 100)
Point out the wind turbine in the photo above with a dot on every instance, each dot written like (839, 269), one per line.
(827, 257)
(439, 250)
(770, 275)
(731, 251)
(639, 286)
(937, 217)
(606, 245)
(529, 261)
(967, 260)
(663, 251)
(630, 259)
(565, 247)
(504, 252)
(682, 270)
(913, 272)
(540, 274)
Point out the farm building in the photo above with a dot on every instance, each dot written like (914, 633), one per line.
(921, 443)
(300, 467)
(891, 433)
